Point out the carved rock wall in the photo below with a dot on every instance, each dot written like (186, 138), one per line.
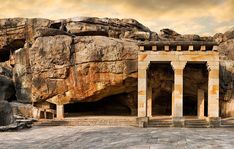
(88, 59)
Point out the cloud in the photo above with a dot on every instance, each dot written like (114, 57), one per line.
(185, 16)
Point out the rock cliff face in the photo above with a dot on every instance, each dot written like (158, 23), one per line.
(226, 50)
(92, 59)
(7, 92)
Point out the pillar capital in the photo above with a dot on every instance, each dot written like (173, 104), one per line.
(178, 64)
(212, 65)
(143, 65)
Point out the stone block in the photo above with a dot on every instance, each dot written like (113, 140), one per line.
(214, 122)
(166, 48)
(190, 48)
(203, 48)
(178, 48)
(142, 121)
(60, 111)
(178, 121)
(142, 48)
(154, 48)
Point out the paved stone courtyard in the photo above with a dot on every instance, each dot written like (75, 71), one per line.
(98, 137)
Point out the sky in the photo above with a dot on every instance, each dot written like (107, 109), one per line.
(204, 17)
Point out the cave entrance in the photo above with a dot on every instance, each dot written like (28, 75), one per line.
(115, 105)
(161, 77)
(7, 50)
(195, 89)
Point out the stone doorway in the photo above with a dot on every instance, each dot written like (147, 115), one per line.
(195, 89)
(161, 77)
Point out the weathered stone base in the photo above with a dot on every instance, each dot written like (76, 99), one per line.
(178, 122)
(142, 121)
(214, 121)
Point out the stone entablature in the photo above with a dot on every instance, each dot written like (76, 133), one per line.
(178, 58)
(178, 46)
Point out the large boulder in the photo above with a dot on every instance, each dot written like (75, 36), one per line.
(6, 114)
(116, 28)
(90, 59)
(226, 51)
(6, 92)
(62, 69)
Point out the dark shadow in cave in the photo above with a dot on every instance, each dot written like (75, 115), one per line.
(161, 76)
(10, 47)
(111, 105)
(195, 77)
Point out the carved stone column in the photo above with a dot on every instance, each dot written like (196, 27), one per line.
(60, 111)
(213, 89)
(149, 99)
(142, 89)
(200, 103)
(213, 93)
(177, 103)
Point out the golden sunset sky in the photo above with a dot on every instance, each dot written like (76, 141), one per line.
(204, 17)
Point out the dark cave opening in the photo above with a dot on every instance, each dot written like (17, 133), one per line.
(10, 48)
(195, 77)
(161, 76)
(162, 105)
(109, 106)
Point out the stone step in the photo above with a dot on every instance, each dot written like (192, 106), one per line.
(227, 126)
(87, 122)
(159, 123)
(150, 126)
(196, 126)
(196, 123)
(227, 122)
(199, 123)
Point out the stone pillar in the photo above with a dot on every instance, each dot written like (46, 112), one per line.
(149, 99)
(142, 88)
(213, 94)
(200, 103)
(60, 111)
(177, 106)
(213, 89)
(172, 102)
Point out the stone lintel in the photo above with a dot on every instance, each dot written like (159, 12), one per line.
(173, 43)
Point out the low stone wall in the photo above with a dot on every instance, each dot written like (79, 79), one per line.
(25, 110)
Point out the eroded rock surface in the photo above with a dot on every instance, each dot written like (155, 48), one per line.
(90, 59)
(6, 92)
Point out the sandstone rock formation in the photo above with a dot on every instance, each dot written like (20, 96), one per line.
(6, 92)
(226, 50)
(92, 59)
